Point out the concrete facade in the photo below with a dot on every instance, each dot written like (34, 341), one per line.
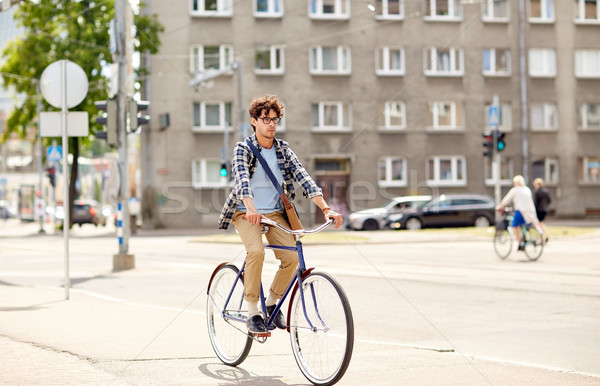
(347, 160)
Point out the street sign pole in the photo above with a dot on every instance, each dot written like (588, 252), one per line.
(496, 165)
(65, 147)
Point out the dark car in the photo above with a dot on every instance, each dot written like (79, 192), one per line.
(448, 210)
(375, 218)
(88, 212)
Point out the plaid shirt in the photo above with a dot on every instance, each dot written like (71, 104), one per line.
(244, 165)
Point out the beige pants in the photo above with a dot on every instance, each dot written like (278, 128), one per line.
(255, 255)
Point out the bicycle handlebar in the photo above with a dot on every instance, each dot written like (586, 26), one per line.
(268, 221)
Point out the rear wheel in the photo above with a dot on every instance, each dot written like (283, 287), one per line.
(229, 338)
(370, 225)
(413, 224)
(481, 222)
(533, 245)
(502, 243)
(323, 348)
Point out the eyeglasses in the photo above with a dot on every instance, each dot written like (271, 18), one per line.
(267, 120)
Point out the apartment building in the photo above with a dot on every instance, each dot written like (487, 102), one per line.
(382, 98)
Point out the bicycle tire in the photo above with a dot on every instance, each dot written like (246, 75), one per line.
(323, 353)
(503, 243)
(533, 245)
(229, 339)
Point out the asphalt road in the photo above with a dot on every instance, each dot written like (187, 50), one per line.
(416, 303)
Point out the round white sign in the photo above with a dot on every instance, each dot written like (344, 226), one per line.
(76, 84)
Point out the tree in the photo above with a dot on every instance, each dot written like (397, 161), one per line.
(72, 30)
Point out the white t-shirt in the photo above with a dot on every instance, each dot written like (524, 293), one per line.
(521, 198)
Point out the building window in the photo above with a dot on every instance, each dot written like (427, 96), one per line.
(391, 171)
(268, 8)
(496, 62)
(393, 117)
(495, 10)
(443, 61)
(442, 10)
(205, 58)
(389, 61)
(541, 11)
(389, 9)
(506, 171)
(269, 60)
(329, 9)
(330, 60)
(446, 171)
(544, 116)
(542, 63)
(546, 169)
(206, 173)
(588, 116)
(587, 11)
(212, 8)
(445, 116)
(589, 170)
(504, 117)
(587, 63)
(335, 116)
(211, 116)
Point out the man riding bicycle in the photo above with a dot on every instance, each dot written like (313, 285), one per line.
(254, 196)
(522, 201)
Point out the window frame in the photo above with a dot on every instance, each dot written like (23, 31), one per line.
(430, 66)
(384, 11)
(548, 71)
(342, 109)
(221, 11)
(433, 109)
(582, 117)
(580, 11)
(383, 69)
(579, 64)
(489, 171)
(203, 183)
(492, 59)
(197, 56)
(389, 181)
(550, 164)
(431, 13)
(547, 108)
(544, 4)
(489, 5)
(386, 109)
(318, 13)
(203, 127)
(271, 13)
(583, 165)
(340, 52)
(454, 181)
(272, 58)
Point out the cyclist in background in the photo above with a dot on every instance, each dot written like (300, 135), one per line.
(522, 200)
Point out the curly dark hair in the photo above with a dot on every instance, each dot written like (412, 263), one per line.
(265, 103)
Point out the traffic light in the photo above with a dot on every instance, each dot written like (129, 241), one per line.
(135, 118)
(500, 144)
(488, 145)
(109, 120)
(52, 176)
(224, 170)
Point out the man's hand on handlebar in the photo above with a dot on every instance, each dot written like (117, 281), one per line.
(253, 217)
(336, 217)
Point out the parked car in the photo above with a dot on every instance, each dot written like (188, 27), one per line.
(88, 212)
(448, 210)
(375, 218)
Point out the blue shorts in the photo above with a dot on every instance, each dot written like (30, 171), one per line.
(518, 219)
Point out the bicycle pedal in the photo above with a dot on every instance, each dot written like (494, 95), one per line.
(262, 334)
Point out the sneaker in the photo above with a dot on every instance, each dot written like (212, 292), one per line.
(279, 320)
(521, 247)
(256, 324)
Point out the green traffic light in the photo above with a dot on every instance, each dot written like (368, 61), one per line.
(500, 146)
(223, 172)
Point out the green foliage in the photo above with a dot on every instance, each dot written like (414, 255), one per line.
(71, 30)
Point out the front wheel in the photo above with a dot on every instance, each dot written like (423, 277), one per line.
(413, 224)
(502, 243)
(533, 245)
(228, 337)
(322, 335)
